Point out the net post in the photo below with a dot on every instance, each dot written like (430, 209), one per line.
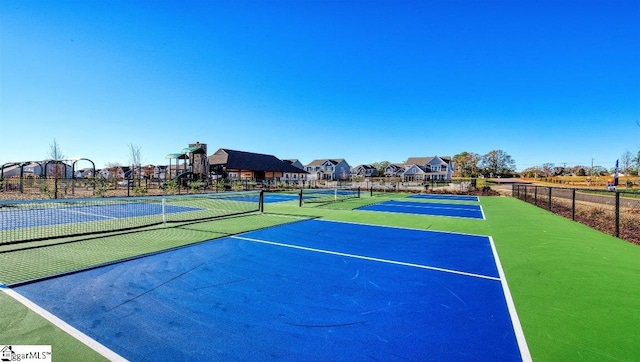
(300, 195)
(164, 211)
(358, 191)
(261, 201)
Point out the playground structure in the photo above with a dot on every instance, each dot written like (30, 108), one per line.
(195, 165)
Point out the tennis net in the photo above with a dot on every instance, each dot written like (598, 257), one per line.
(23, 221)
(328, 195)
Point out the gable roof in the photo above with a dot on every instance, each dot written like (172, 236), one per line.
(241, 160)
(426, 160)
(321, 162)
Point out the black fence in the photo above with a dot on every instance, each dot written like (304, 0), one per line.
(614, 212)
(63, 188)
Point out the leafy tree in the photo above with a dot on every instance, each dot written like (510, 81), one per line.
(466, 164)
(498, 163)
(380, 166)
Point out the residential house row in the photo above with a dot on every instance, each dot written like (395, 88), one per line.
(241, 165)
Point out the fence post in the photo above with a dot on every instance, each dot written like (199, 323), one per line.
(550, 198)
(617, 214)
(535, 195)
(573, 204)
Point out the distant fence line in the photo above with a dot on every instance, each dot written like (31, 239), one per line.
(614, 212)
(60, 188)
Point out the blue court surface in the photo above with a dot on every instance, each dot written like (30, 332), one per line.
(426, 208)
(312, 290)
(446, 197)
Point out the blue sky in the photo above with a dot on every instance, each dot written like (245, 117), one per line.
(545, 81)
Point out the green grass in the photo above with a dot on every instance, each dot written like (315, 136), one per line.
(575, 289)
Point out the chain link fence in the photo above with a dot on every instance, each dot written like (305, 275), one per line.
(614, 212)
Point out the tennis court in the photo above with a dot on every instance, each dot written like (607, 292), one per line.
(309, 290)
(335, 293)
(427, 208)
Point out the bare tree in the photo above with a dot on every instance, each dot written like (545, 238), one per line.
(56, 155)
(135, 157)
(626, 161)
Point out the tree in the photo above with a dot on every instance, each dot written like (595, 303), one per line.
(626, 162)
(547, 169)
(136, 160)
(380, 166)
(56, 155)
(532, 172)
(466, 164)
(636, 161)
(498, 163)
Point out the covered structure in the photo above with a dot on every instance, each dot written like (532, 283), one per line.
(240, 165)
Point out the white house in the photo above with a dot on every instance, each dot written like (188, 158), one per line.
(328, 169)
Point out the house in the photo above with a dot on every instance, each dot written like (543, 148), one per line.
(414, 173)
(434, 168)
(364, 171)
(328, 169)
(394, 170)
(291, 176)
(86, 172)
(115, 172)
(296, 163)
(241, 165)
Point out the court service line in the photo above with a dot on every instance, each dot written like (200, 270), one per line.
(367, 258)
(69, 329)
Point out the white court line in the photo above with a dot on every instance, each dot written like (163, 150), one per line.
(449, 198)
(515, 321)
(402, 204)
(367, 258)
(89, 214)
(86, 340)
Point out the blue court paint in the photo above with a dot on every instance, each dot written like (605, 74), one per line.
(68, 215)
(425, 208)
(234, 299)
(445, 197)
